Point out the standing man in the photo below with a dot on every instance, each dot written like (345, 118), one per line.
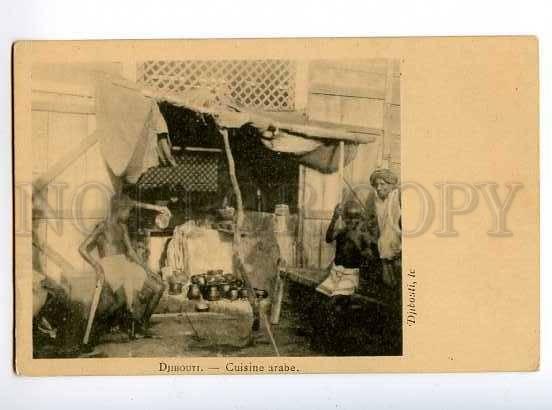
(388, 212)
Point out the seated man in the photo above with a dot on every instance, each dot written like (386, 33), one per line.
(352, 247)
(135, 286)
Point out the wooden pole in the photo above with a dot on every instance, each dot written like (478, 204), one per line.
(237, 191)
(93, 308)
(238, 225)
(277, 295)
(341, 166)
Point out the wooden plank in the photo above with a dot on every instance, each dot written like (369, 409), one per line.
(68, 213)
(342, 76)
(62, 88)
(310, 129)
(324, 108)
(62, 164)
(395, 153)
(318, 214)
(65, 130)
(373, 65)
(196, 315)
(396, 94)
(67, 267)
(362, 112)
(62, 103)
(312, 278)
(395, 119)
(347, 91)
(95, 199)
(65, 236)
(311, 241)
(40, 142)
(387, 131)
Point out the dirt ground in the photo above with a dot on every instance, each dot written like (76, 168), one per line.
(308, 327)
(175, 337)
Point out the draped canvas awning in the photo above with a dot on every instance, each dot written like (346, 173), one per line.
(128, 119)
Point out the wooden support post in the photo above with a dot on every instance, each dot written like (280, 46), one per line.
(299, 244)
(340, 170)
(277, 295)
(237, 191)
(239, 262)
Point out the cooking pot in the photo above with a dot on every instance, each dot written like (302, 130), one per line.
(175, 288)
(224, 288)
(244, 293)
(213, 293)
(194, 292)
(233, 294)
(229, 277)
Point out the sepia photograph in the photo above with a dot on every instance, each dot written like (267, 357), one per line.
(337, 206)
(341, 204)
(216, 208)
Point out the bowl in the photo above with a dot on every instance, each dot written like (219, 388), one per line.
(227, 213)
(162, 221)
(261, 293)
(201, 307)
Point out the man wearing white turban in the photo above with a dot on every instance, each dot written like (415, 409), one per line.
(388, 211)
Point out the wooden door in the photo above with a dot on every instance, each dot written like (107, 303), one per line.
(357, 93)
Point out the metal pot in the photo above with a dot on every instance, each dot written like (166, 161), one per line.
(233, 294)
(244, 293)
(229, 277)
(213, 293)
(211, 279)
(175, 288)
(194, 292)
(224, 289)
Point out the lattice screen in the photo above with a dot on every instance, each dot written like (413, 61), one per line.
(194, 173)
(261, 84)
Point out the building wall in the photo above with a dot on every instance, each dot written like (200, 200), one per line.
(63, 114)
(357, 93)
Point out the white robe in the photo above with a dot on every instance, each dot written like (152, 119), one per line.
(388, 211)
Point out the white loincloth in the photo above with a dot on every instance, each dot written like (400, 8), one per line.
(340, 281)
(120, 272)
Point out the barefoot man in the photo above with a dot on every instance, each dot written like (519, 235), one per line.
(388, 211)
(133, 283)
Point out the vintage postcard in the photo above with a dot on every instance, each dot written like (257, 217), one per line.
(276, 206)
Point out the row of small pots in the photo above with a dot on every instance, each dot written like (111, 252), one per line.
(216, 292)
